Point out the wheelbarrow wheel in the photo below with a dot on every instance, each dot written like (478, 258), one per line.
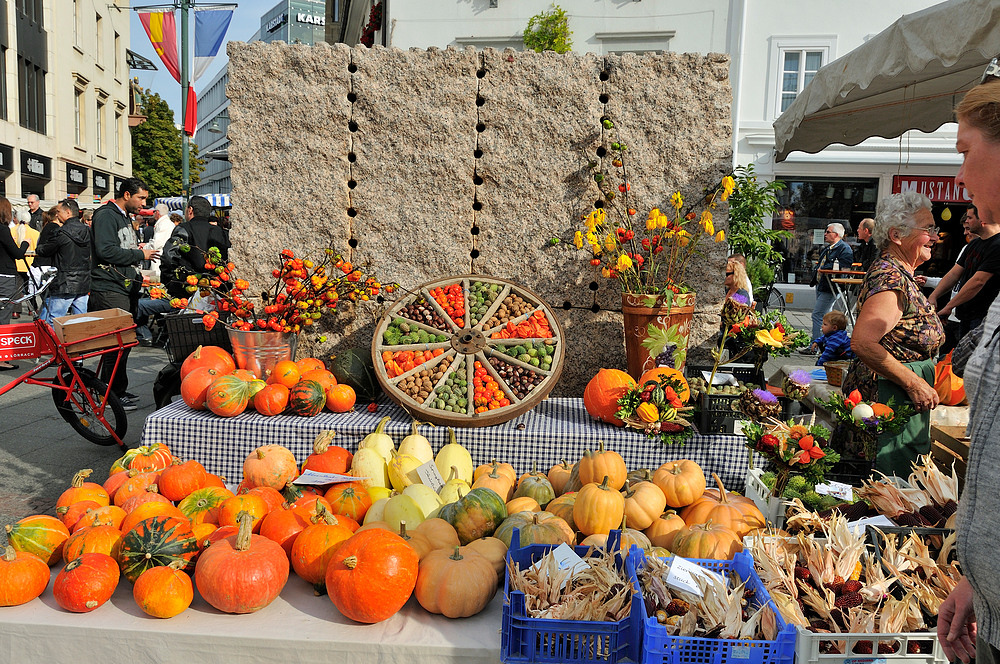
(74, 408)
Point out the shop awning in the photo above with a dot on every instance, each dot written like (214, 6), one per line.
(177, 202)
(909, 76)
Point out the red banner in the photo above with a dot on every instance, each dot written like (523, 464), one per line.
(20, 342)
(938, 188)
(191, 113)
(162, 31)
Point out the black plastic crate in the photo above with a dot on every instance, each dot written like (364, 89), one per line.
(185, 332)
(718, 413)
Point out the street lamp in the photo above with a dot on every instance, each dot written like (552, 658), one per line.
(215, 127)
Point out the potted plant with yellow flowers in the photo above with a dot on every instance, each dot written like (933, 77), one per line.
(648, 254)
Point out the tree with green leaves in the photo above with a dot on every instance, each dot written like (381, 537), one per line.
(549, 31)
(157, 147)
(752, 202)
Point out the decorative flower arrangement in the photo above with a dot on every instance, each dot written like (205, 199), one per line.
(796, 384)
(659, 407)
(792, 448)
(870, 419)
(759, 404)
(649, 258)
(303, 289)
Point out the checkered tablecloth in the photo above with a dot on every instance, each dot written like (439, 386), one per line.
(557, 428)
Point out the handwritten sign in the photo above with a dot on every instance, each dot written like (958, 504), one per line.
(430, 476)
(683, 575)
(836, 489)
(313, 478)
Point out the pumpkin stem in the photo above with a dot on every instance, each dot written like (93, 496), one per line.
(723, 494)
(322, 441)
(402, 526)
(350, 562)
(452, 437)
(456, 555)
(453, 474)
(600, 446)
(177, 565)
(604, 484)
(80, 477)
(381, 425)
(629, 491)
(260, 453)
(565, 465)
(9, 554)
(245, 521)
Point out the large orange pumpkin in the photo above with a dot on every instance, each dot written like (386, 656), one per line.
(228, 396)
(80, 489)
(194, 387)
(595, 466)
(600, 398)
(372, 575)
(179, 479)
(23, 577)
(270, 465)
(681, 481)
(598, 508)
(86, 583)
(39, 534)
(707, 540)
(208, 356)
(683, 392)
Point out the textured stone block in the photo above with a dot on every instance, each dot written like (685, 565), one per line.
(444, 162)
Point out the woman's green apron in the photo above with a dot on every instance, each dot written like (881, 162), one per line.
(897, 451)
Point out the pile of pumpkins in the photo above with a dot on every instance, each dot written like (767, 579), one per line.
(369, 543)
(211, 381)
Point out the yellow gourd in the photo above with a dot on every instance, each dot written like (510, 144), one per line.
(454, 455)
(416, 445)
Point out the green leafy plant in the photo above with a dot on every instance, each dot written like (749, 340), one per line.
(549, 31)
(157, 147)
(751, 204)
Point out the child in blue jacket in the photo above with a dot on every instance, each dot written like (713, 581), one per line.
(835, 344)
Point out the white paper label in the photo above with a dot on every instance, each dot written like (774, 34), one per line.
(720, 378)
(738, 427)
(313, 478)
(836, 489)
(566, 559)
(683, 574)
(858, 527)
(818, 235)
(430, 476)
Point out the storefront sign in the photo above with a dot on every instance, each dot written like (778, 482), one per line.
(36, 166)
(101, 181)
(76, 175)
(938, 188)
(6, 158)
(276, 22)
(310, 19)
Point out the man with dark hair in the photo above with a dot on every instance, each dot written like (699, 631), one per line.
(115, 279)
(69, 247)
(199, 235)
(35, 209)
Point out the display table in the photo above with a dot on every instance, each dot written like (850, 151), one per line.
(297, 628)
(558, 428)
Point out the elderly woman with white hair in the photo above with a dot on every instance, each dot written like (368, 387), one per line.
(897, 334)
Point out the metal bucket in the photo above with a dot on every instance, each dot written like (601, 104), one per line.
(259, 351)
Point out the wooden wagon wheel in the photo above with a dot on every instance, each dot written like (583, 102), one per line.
(466, 332)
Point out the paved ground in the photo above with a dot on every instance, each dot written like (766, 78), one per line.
(40, 452)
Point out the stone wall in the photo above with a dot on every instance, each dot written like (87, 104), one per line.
(438, 162)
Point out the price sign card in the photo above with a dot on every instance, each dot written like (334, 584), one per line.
(566, 559)
(836, 489)
(720, 378)
(858, 527)
(683, 575)
(313, 478)
(430, 476)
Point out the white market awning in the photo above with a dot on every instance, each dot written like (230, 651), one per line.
(909, 76)
(177, 202)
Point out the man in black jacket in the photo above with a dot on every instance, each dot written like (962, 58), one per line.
(114, 277)
(69, 248)
(198, 234)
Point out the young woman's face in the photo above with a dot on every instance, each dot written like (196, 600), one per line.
(980, 171)
(730, 276)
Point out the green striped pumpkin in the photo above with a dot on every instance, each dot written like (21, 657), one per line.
(39, 534)
(476, 514)
(306, 398)
(228, 396)
(155, 542)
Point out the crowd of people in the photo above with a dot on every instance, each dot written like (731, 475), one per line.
(104, 259)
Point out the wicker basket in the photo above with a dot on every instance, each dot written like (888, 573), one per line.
(835, 372)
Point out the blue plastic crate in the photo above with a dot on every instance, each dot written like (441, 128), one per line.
(525, 639)
(652, 644)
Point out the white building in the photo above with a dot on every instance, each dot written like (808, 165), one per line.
(774, 47)
(64, 99)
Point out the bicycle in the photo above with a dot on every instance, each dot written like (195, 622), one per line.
(80, 397)
(769, 298)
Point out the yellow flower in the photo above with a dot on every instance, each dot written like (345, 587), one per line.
(610, 242)
(728, 184)
(624, 262)
(676, 200)
(683, 237)
(720, 236)
(706, 223)
(578, 240)
(605, 272)
(662, 221)
(762, 338)
(651, 219)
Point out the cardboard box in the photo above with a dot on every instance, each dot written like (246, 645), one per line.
(70, 329)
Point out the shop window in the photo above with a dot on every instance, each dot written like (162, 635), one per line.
(808, 206)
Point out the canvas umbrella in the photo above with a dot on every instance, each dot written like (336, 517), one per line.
(909, 76)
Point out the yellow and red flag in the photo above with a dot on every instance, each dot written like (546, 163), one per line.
(162, 31)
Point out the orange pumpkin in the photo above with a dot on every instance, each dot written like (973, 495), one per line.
(163, 592)
(664, 528)
(315, 546)
(272, 497)
(307, 364)
(70, 514)
(270, 465)
(286, 373)
(39, 534)
(23, 577)
(683, 392)
(595, 466)
(149, 458)
(194, 387)
(202, 506)
(327, 458)
(523, 504)
(247, 502)
(228, 396)
(147, 511)
(179, 479)
(725, 509)
(455, 584)
(644, 502)
(283, 525)
(707, 540)
(372, 575)
(558, 476)
(79, 489)
(86, 583)
(325, 378)
(601, 395)
(135, 485)
(341, 398)
(598, 508)
(562, 507)
(99, 539)
(271, 400)
(499, 482)
(349, 499)
(502, 468)
(682, 482)
(208, 356)
(109, 515)
(493, 550)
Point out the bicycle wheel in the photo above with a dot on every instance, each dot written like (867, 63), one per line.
(74, 408)
(775, 300)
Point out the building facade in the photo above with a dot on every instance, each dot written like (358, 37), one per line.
(290, 21)
(64, 99)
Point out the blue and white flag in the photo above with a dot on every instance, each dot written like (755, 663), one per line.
(210, 26)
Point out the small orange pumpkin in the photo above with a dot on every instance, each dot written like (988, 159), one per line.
(79, 489)
(23, 577)
(559, 475)
(683, 392)
(681, 481)
(594, 466)
(163, 592)
(664, 529)
(598, 508)
(602, 393)
(644, 502)
(707, 540)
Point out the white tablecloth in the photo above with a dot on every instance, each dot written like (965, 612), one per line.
(297, 628)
